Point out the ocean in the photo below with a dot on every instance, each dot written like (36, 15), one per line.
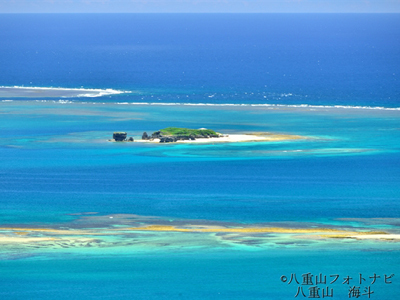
(85, 218)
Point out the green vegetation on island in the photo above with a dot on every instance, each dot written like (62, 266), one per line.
(185, 131)
(173, 134)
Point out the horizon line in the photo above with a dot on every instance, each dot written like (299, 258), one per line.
(191, 12)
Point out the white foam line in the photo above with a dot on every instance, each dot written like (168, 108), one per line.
(263, 105)
(226, 104)
(89, 92)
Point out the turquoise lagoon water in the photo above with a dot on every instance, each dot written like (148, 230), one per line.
(346, 168)
(211, 275)
(57, 162)
(331, 79)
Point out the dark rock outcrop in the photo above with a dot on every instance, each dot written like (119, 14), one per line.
(130, 139)
(156, 135)
(182, 137)
(119, 136)
(168, 139)
(145, 136)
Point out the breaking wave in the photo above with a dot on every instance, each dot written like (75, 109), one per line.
(66, 95)
(305, 106)
(21, 91)
(261, 105)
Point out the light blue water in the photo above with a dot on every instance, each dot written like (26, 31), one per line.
(55, 159)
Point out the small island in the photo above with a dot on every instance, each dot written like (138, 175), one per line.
(174, 134)
(207, 136)
(202, 135)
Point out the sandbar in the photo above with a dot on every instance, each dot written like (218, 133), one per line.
(374, 237)
(135, 232)
(233, 229)
(325, 232)
(235, 138)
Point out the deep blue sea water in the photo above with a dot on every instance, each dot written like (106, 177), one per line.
(350, 59)
(332, 78)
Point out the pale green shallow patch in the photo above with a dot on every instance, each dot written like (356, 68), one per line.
(123, 234)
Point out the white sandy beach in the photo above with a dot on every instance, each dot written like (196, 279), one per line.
(234, 138)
